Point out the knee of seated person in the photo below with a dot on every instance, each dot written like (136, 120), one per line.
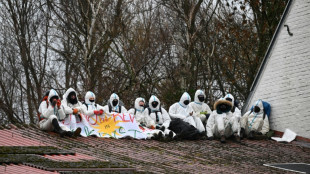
(52, 117)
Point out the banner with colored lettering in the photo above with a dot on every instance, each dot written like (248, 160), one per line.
(114, 125)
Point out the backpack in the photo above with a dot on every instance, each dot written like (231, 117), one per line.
(157, 117)
(267, 109)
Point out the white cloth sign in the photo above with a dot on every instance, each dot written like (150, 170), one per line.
(115, 126)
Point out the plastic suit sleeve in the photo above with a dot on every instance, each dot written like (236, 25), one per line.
(139, 116)
(131, 111)
(106, 109)
(47, 112)
(166, 118)
(148, 120)
(173, 112)
(79, 107)
(210, 124)
(124, 110)
(89, 112)
(61, 113)
(265, 127)
(66, 108)
(42, 105)
(205, 108)
(208, 109)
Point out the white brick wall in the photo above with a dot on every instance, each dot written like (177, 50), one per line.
(285, 79)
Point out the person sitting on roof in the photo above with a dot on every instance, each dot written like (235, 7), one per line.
(222, 123)
(182, 111)
(72, 108)
(138, 110)
(50, 113)
(255, 122)
(200, 108)
(235, 110)
(92, 110)
(157, 117)
(114, 105)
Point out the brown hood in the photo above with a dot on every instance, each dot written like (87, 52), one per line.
(220, 101)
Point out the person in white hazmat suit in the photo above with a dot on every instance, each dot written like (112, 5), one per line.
(93, 111)
(73, 110)
(235, 110)
(182, 110)
(51, 112)
(222, 123)
(157, 117)
(200, 109)
(138, 110)
(255, 122)
(114, 105)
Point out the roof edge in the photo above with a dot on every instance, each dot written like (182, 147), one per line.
(267, 55)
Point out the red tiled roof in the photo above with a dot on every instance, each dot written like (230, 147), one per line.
(21, 169)
(201, 156)
(14, 138)
(76, 157)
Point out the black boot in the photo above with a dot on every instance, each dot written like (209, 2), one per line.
(69, 134)
(77, 132)
(251, 135)
(57, 128)
(170, 134)
(223, 139)
(161, 136)
(154, 137)
(242, 132)
(162, 128)
(237, 138)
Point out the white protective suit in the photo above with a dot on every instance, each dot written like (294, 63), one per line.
(220, 124)
(48, 113)
(157, 117)
(252, 121)
(68, 109)
(182, 111)
(236, 111)
(200, 109)
(114, 109)
(138, 110)
(162, 117)
(88, 109)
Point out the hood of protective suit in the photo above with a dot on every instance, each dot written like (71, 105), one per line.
(222, 101)
(89, 95)
(65, 96)
(112, 97)
(137, 106)
(184, 97)
(230, 96)
(51, 94)
(199, 92)
(259, 103)
(152, 99)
